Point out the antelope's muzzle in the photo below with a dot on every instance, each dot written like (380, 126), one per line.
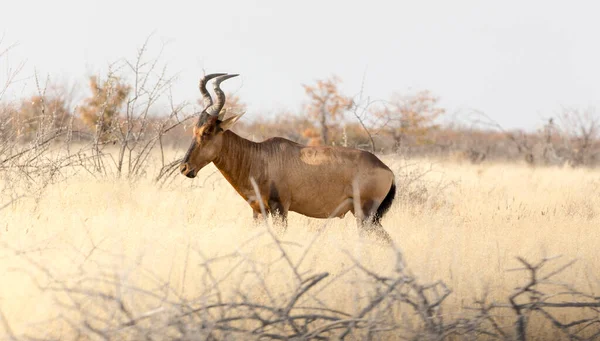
(187, 170)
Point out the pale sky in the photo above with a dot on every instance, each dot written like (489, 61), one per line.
(517, 61)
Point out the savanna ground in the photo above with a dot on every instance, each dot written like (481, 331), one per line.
(102, 258)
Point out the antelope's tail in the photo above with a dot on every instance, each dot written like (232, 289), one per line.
(385, 204)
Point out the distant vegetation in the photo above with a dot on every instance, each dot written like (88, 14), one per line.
(121, 106)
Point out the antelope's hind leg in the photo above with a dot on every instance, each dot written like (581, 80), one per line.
(370, 223)
(279, 213)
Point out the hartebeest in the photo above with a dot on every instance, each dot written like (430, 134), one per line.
(318, 182)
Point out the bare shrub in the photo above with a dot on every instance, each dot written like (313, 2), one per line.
(360, 109)
(545, 298)
(123, 109)
(29, 132)
(415, 191)
(37, 137)
(9, 78)
(580, 129)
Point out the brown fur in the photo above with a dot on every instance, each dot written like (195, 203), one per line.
(313, 181)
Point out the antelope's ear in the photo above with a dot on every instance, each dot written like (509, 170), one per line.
(228, 123)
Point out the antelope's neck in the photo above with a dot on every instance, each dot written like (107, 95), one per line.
(237, 159)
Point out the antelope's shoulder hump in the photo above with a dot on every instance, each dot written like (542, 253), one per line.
(280, 144)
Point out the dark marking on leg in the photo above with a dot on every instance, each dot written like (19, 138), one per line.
(371, 224)
(369, 209)
(278, 213)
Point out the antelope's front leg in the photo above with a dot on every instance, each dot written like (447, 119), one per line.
(257, 216)
(257, 211)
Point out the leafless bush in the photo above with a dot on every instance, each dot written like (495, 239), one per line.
(360, 109)
(580, 132)
(571, 137)
(415, 190)
(11, 72)
(555, 307)
(519, 139)
(29, 157)
(42, 142)
(140, 128)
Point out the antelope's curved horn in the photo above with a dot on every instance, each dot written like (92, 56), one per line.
(206, 100)
(215, 109)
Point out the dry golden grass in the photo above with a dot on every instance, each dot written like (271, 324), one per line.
(463, 224)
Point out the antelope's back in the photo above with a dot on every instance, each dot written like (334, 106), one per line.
(320, 178)
(301, 163)
(319, 166)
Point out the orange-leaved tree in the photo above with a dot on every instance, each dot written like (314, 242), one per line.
(313, 137)
(410, 118)
(326, 103)
(38, 113)
(102, 108)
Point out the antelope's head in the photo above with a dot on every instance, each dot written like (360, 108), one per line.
(208, 131)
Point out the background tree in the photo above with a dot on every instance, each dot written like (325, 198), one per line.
(102, 107)
(42, 112)
(312, 136)
(411, 116)
(326, 103)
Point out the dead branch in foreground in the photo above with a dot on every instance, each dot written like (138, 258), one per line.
(299, 313)
(243, 304)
